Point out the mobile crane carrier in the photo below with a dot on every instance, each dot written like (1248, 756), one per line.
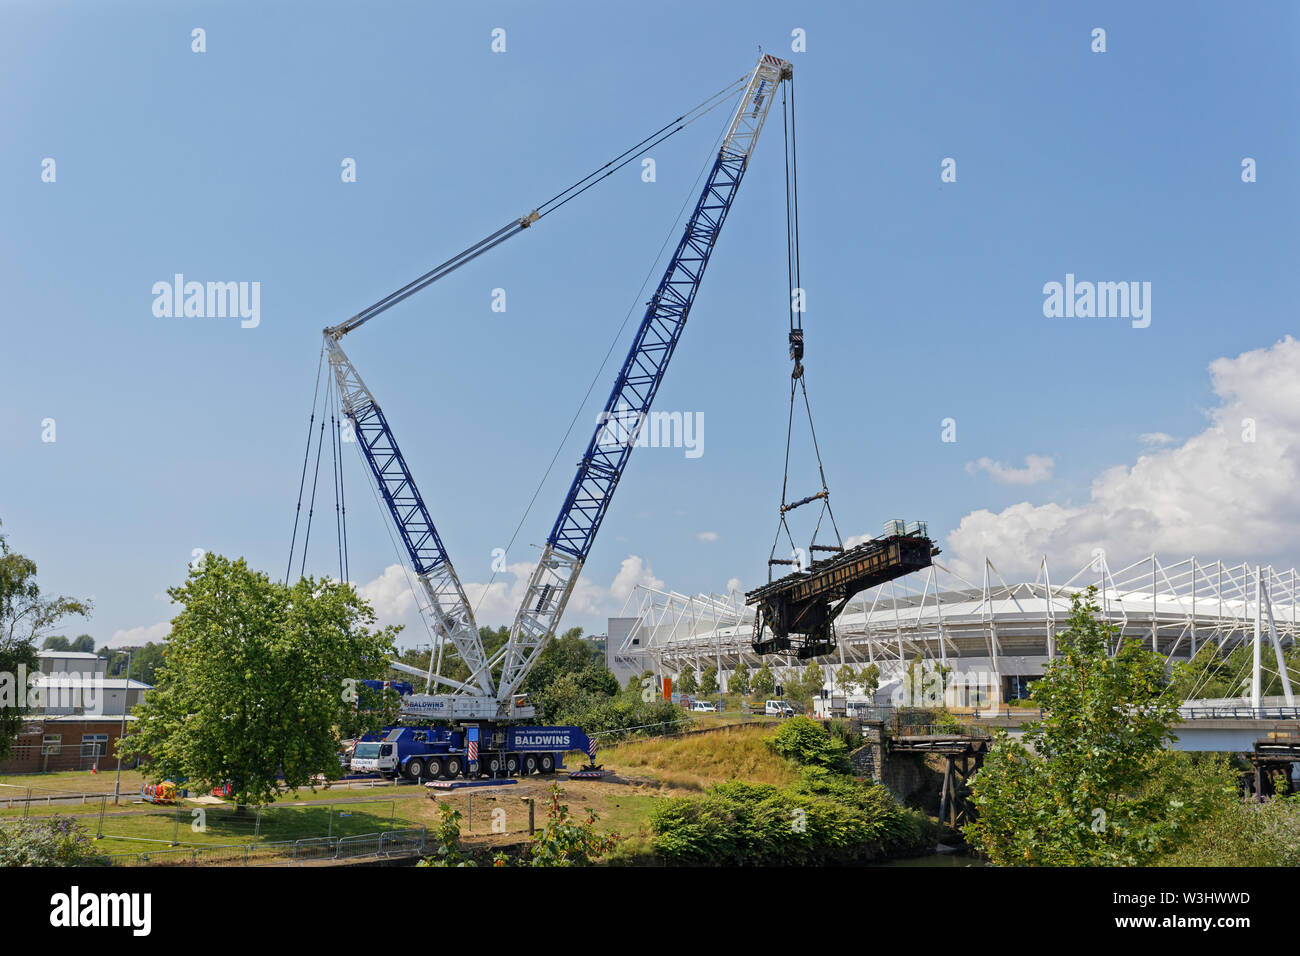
(484, 721)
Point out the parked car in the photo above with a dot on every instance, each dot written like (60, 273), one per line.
(704, 707)
(777, 708)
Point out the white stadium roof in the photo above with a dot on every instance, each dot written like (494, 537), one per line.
(938, 614)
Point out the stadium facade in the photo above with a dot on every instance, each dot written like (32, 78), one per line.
(993, 637)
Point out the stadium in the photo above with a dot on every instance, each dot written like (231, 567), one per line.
(994, 636)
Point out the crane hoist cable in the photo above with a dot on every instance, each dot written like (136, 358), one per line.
(613, 344)
(515, 226)
(577, 188)
(798, 382)
(293, 541)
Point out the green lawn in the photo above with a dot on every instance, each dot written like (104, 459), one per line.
(68, 780)
(221, 825)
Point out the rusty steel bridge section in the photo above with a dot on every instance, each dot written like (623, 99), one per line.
(798, 611)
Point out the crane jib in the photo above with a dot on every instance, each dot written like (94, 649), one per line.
(643, 369)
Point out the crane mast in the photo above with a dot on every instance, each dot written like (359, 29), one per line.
(607, 454)
(448, 606)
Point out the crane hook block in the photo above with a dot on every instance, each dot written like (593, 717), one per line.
(796, 352)
(528, 220)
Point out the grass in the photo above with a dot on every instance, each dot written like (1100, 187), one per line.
(153, 829)
(78, 781)
(655, 768)
(697, 761)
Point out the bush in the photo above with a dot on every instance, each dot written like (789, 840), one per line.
(842, 731)
(805, 742)
(825, 818)
(47, 841)
(565, 841)
(1228, 830)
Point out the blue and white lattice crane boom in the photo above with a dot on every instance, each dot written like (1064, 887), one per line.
(452, 617)
(607, 454)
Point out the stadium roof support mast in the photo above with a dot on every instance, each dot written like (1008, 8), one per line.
(607, 454)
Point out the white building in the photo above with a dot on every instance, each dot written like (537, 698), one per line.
(76, 683)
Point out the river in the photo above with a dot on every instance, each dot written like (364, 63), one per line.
(937, 859)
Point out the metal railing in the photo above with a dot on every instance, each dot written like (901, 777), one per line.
(15, 795)
(387, 845)
(1238, 711)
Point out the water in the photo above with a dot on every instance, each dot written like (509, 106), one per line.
(937, 859)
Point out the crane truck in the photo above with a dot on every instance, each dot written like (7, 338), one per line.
(483, 724)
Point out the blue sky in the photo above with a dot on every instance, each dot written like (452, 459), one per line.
(924, 297)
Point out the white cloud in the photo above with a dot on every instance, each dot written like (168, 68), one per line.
(495, 603)
(734, 584)
(1037, 468)
(389, 594)
(708, 536)
(633, 572)
(1156, 439)
(136, 636)
(1227, 492)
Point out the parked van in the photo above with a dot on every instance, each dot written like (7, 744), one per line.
(778, 708)
(704, 707)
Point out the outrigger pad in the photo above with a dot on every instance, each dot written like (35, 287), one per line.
(806, 604)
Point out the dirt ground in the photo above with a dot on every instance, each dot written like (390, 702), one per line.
(498, 815)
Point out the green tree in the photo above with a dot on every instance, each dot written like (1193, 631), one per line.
(739, 682)
(56, 642)
(25, 618)
(847, 677)
(83, 644)
(687, 683)
(260, 679)
(811, 682)
(1074, 791)
(709, 680)
(570, 675)
(869, 679)
(1211, 673)
(764, 682)
(925, 683)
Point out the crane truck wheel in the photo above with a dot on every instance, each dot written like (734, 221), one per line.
(548, 763)
(435, 768)
(414, 768)
(453, 766)
(530, 764)
(493, 766)
(512, 764)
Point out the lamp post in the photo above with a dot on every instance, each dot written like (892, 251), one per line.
(126, 692)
